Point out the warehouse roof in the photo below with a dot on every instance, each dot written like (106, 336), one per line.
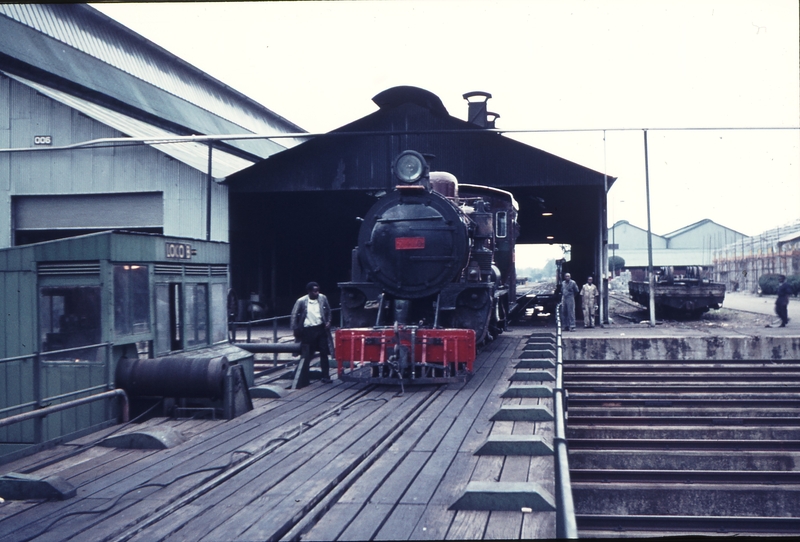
(80, 53)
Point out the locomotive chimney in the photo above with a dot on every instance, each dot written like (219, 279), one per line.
(477, 112)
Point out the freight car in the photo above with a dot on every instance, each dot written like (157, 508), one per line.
(431, 278)
(680, 296)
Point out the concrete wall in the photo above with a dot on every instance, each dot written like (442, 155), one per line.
(712, 348)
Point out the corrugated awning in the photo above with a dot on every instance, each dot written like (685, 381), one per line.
(789, 237)
(193, 154)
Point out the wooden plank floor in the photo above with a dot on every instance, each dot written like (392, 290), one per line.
(328, 462)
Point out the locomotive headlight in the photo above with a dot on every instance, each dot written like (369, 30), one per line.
(410, 167)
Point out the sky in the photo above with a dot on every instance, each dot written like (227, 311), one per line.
(714, 83)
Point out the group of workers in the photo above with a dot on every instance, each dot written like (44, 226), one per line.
(311, 322)
(589, 302)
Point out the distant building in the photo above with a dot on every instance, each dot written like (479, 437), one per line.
(692, 245)
(775, 251)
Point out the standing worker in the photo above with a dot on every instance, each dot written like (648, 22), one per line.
(782, 303)
(568, 290)
(589, 295)
(311, 322)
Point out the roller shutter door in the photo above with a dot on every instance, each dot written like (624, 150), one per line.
(89, 211)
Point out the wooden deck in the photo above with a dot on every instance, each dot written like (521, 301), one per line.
(329, 462)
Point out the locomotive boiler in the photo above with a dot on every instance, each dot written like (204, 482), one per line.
(432, 276)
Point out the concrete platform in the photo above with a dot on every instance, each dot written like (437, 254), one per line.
(683, 341)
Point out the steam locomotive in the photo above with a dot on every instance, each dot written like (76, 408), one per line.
(432, 277)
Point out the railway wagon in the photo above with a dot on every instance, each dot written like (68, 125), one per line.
(431, 278)
(681, 296)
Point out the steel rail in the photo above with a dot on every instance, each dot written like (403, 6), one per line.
(790, 420)
(339, 487)
(685, 476)
(681, 369)
(681, 389)
(715, 378)
(607, 444)
(676, 402)
(194, 493)
(711, 524)
(566, 524)
(661, 396)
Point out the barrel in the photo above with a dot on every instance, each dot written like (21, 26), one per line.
(173, 376)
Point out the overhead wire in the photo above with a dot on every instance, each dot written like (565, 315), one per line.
(125, 141)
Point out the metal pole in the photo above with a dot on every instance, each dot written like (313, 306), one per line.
(41, 412)
(566, 525)
(603, 278)
(651, 278)
(208, 194)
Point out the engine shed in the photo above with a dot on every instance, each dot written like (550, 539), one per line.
(74, 308)
(295, 215)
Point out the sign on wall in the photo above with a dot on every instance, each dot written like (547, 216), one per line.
(179, 251)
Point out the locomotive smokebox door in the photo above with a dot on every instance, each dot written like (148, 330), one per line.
(413, 243)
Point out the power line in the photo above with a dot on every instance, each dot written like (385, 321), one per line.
(122, 141)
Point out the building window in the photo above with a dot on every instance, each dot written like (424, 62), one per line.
(168, 318)
(196, 314)
(219, 314)
(131, 300)
(69, 316)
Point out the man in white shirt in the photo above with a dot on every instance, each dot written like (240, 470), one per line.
(589, 295)
(311, 322)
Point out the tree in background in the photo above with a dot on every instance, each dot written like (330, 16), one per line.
(548, 272)
(615, 263)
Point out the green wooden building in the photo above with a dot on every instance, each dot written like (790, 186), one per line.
(73, 307)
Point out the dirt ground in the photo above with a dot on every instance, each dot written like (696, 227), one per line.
(624, 312)
(627, 313)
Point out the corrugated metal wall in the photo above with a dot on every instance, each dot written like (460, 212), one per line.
(35, 372)
(17, 293)
(26, 114)
(708, 236)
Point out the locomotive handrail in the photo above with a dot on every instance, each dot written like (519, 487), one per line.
(566, 525)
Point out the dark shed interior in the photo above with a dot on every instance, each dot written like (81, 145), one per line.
(294, 216)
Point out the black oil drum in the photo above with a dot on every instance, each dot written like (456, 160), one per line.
(173, 376)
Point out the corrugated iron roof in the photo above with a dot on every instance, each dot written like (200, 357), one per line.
(789, 238)
(192, 154)
(88, 31)
(666, 256)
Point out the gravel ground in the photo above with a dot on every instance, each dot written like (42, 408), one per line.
(624, 312)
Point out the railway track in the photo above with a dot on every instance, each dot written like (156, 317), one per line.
(348, 467)
(335, 462)
(689, 448)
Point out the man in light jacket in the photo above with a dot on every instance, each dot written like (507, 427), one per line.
(589, 295)
(311, 322)
(568, 290)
